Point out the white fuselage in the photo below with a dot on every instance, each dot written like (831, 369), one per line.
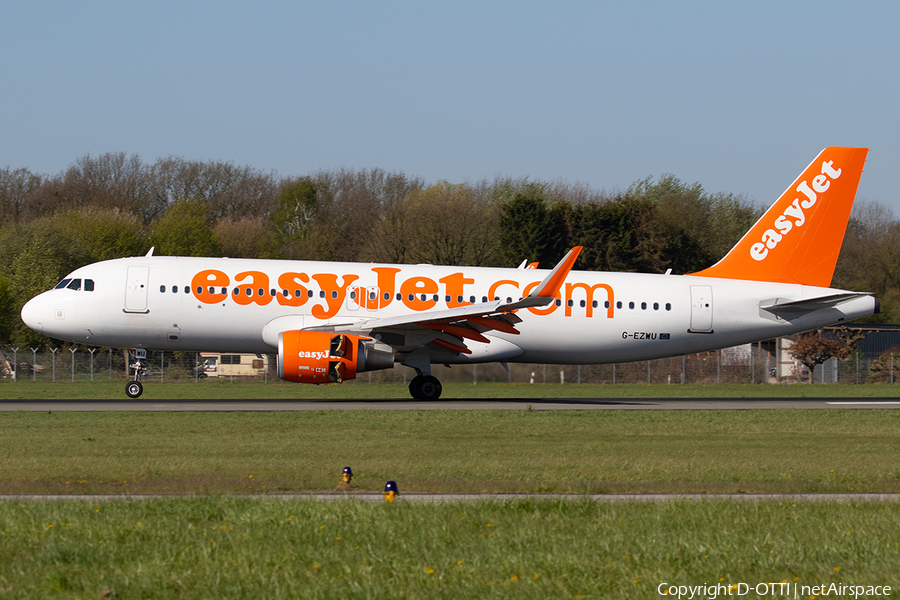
(203, 304)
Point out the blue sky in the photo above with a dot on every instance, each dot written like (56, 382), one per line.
(738, 96)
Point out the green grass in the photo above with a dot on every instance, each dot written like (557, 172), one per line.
(452, 451)
(239, 548)
(102, 390)
(216, 543)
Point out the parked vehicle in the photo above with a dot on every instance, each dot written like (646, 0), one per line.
(215, 364)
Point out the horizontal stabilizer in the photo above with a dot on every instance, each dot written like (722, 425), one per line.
(797, 308)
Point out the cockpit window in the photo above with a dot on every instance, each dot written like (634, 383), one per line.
(62, 284)
(75, 284)
(89, 285)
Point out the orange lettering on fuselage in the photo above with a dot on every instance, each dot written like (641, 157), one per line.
(589, 298)
(454, 286)
(256, 291)
(418, 293)
(493, 289)
(387, 276)
(204, 285)
(414, 289)
(334, 294)
(292, 283)
(535, 310)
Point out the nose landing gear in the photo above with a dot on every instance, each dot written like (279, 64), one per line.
(134, 389)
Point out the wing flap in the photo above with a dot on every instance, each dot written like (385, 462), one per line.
(463, 322)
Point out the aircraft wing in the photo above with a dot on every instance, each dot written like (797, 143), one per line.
(451, 328)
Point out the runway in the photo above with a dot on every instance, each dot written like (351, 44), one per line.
(212, 405)
(452, 498)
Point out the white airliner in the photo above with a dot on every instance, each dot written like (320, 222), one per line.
(328, 321)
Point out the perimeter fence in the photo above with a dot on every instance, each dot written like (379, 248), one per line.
(745, 364)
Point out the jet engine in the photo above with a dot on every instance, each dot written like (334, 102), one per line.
(326, 357)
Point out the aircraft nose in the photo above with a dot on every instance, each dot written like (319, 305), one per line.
(32, 314)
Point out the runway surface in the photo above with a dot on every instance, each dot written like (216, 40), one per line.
(448, 498)
(451, 404)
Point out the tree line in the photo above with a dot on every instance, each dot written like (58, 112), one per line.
(116, 205)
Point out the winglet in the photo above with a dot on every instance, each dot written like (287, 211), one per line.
(799, 238)
(552, 282)
(546, 292)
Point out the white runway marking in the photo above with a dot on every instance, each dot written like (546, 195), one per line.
(865, 402)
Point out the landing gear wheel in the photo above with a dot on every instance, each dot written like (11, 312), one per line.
(133, 389)
(425, 387)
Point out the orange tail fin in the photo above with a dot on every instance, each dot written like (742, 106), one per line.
(799, 238)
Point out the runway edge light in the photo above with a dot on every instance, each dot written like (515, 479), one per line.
(390, 491)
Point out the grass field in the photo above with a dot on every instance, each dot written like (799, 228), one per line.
(452, 451)
(213, 542)
(228, 547)
(115, 390)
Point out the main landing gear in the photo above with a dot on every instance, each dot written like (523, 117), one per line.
(134, 388)
(425, 387)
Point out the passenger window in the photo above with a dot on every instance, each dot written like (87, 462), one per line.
(62, 284)
(558, 302)
(309, 293)
(619, 304)
(472, 299)
(643, 306)
(353, 295)
(321, 293)
(89, 285)
(334, 294)
(631, 305)
(668, 306)
(74, 285)
(162, 289)
(656, 306)
(583, 303)
(387, 295)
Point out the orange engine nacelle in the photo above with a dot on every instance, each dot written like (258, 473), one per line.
(325, 357)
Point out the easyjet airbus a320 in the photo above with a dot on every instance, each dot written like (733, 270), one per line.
(329, 321)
